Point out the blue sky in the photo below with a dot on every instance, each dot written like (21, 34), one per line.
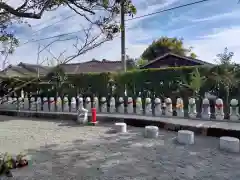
(208, 27)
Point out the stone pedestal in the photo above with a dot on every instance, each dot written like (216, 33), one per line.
(151, 132)
(234, 110)
(168, 110)
(229, 144)
(121, 127)
(185, 137)
(206, 114)
(192, 110)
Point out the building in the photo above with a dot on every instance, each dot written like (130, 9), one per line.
(174, 60)
(25, 69)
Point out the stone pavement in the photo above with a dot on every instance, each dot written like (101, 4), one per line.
(62, 150)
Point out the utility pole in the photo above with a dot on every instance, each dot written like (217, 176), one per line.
(123, 53)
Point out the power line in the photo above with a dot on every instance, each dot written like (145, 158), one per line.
(169, 9)
(137, 17)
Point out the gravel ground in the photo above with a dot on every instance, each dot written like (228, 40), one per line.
(61, 150)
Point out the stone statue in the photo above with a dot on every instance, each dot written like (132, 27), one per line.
(96, 103)
(65, 104)
(21, 104)
(59, 104)
(112, 108)
(130, 105)
(15, 103)
(39, 104)
(88, 104)
(139, 109)
(33, 104)
(219, 113)
(180, 107)
(158, 107)
(121, 105)
(103, 105)
(234, 110)
(73, 104)
(192, 109)
(45, 104)
(169, 110)
(82, 113)
(206, 114)
(26, 103)
(148, 107)
(51, 104)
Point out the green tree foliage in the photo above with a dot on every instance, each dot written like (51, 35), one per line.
(103, 11)
(165, 45)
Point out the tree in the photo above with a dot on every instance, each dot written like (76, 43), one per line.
(195, 83)
(165, 45)
(224, 74)
(98, 14)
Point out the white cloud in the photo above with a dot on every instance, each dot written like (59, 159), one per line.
(209, 46)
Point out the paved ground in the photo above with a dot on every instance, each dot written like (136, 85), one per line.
(62, 151)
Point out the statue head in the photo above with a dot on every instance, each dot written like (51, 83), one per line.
(157, 101)
(179, 101)
(45, 99)
(234, 102)
(130, 99)
(219, 101)
(121, 100)
(112, 99)
(39, 99)
(65, 99)
(205, 101)
(73, 99)
(103, 99)
(80, 99)
(95, 99)
(88, 99)
(51, 98)
(139, 100)
(148, 100)
(192, 101)
(168, 101)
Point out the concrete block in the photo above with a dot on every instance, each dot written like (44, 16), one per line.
(151, 132)
(185, 137)
(229, 144)
(121, 127)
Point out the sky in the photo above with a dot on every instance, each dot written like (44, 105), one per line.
(208, 27)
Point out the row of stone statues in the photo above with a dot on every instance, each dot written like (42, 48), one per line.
(157, 108)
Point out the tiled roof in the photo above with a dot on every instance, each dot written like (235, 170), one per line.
(200, 62)
(23, 69)
(92, 66)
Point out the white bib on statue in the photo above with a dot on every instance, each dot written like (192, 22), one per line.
(219, 113)
(148, 107)
(139, 109)
(206, 114)
(180, 107)
(103, 105)
(45, 104)
(130, 106)
(73, 104)
(169, 110)
(88, 105)
(112, 108)
(65, 104)
(158, 107)
(192, 109)
(96, 103)
(121, 106)
(234, 110)
(59, 104)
